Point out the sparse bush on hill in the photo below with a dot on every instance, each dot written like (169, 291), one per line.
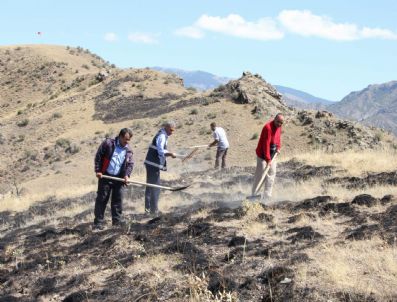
(56, 115)
(204, 131)
(254, 136)
(205, 102)
(189, 122)
(31, 155)
(137, 125)
(2, 139)
(192, 89)
(63, 143)
(23, 123)
(85, 66)
(194, 111)
(20, 138)
(211, 115)
(54, 96)
(378, 136)
(72, 149)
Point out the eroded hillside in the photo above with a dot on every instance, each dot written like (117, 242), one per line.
(55, 111)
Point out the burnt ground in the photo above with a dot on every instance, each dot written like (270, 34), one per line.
(195, 252)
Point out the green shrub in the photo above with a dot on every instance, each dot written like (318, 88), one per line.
(56, 115)
(72, 149)
(194, 111)
(192, 89)
(63, 143)
(23, 123)
(211, 115)
(20, 138)
(254, 136)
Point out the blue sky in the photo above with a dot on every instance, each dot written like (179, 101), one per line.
(326, 48)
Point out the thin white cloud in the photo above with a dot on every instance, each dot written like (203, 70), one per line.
(381, 33)
(190, 32)
(235, 25)
(110, 37)
(305, 23)
(146, 38)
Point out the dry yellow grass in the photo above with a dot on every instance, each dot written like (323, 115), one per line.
(314, 187)
(20, 203)
(367, 267)
(354, 162)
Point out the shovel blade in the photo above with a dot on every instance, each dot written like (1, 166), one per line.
(180, 188)
(254, 197)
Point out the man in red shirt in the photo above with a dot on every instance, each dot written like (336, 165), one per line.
(269, 144)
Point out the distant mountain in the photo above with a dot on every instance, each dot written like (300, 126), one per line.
(200, 80)
(301, 99)
(375, 105)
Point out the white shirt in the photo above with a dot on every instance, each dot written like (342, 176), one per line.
(219, 134)
(161, 141)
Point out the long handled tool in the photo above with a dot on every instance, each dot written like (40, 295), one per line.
(190, 155)
(193, 152)
(134, 182)
(260, 184)
(198, 146)
(186, 157)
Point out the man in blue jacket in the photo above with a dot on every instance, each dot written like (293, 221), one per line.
(114, 158)
(155, 162)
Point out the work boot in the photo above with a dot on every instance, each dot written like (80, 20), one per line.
(120, 223)
(98, 227)
(156, 214)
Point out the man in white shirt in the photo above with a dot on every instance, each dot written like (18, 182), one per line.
(221, 141)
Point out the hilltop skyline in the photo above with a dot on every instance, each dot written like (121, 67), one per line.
(327, 49)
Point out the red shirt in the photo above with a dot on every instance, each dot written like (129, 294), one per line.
(270, 135)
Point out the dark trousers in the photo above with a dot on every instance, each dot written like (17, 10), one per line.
(152, 194)
(220, 155)
(105, 188)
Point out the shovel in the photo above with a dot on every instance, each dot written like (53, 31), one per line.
(260, 184)
(134, 182)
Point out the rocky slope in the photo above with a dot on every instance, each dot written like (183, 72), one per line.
(375, 105)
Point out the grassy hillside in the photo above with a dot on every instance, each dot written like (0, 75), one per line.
(329, 235)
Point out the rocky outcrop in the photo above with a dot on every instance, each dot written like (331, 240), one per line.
(253, 89)
(324, 129)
